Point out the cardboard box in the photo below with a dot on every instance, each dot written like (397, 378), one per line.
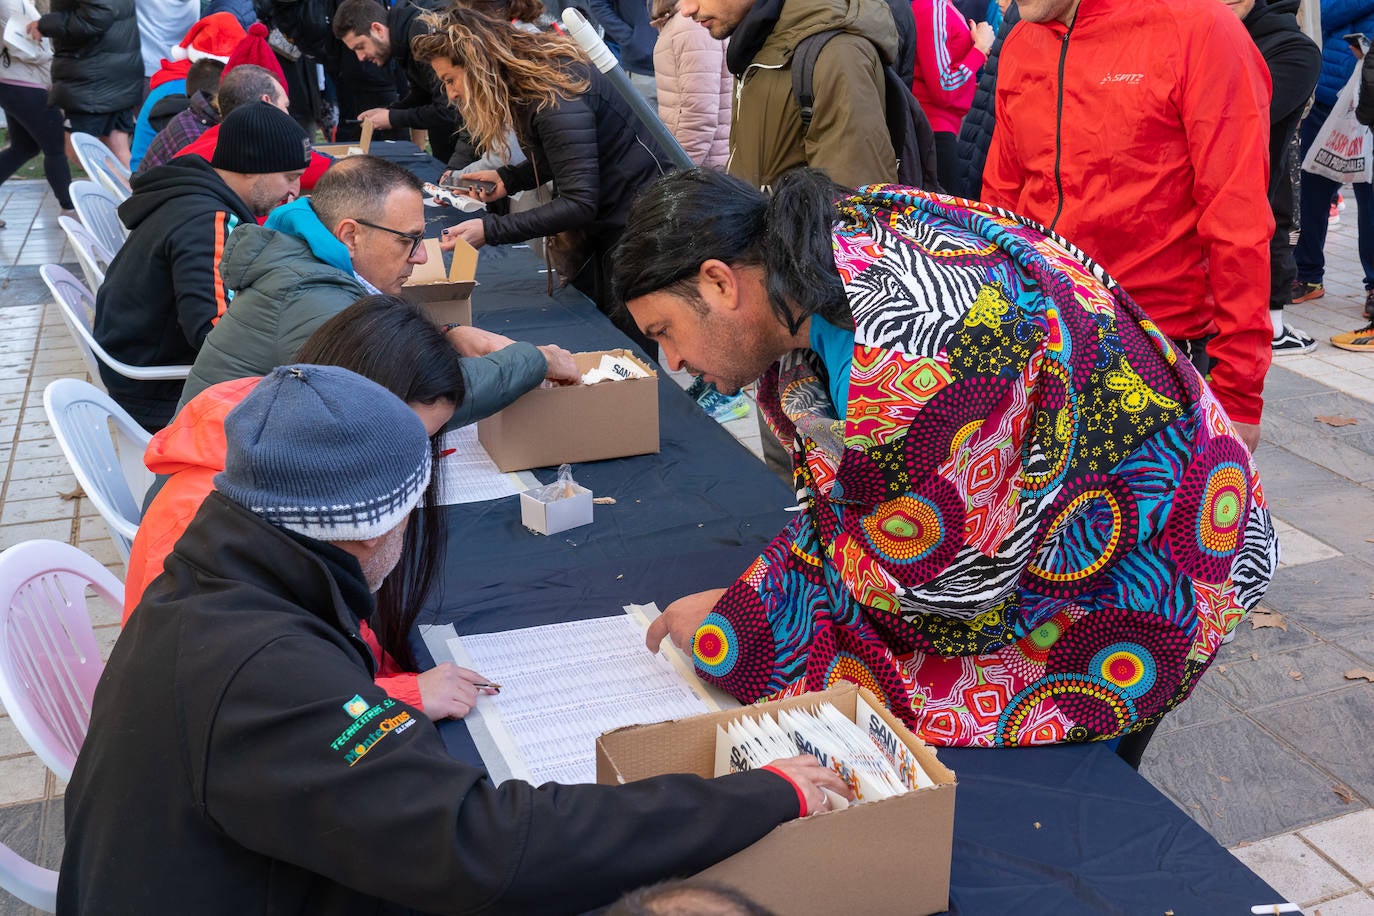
(890, 856)
(576, 423)
(344, 150)
(556, 515)
(445, 295)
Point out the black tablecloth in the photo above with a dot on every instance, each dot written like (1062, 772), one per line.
(1046, 830)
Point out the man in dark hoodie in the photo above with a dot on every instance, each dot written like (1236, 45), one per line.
(241, 759)
(376, 34)
(1294, 62)
(163, 291)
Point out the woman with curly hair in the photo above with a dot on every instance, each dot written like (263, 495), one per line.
(573, 128)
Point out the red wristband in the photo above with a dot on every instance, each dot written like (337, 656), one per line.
(801, 796)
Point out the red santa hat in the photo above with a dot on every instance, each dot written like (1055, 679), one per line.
(254, 49)
(213, 37)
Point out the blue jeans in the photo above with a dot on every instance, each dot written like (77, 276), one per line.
(1314, 202)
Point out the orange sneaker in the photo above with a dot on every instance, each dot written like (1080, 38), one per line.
(1361, 341)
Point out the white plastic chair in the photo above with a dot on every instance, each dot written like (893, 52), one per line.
(99, 211)
(102, 164)
(93, 256)
(108, 463)
(49, 667)
(77, 306)
(33, 884)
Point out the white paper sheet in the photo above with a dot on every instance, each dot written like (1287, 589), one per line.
(565, 684)
(468, 475)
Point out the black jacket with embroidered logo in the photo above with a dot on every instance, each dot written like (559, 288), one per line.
(228, 770)
(163, 290)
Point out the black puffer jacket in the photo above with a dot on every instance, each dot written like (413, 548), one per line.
(426, 106)
(97, 64)
(597, 159)
(1294, 62)
(975, 136)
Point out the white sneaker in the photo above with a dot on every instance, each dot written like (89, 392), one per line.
(1293, 342)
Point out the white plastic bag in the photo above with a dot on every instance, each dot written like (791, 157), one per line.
(1341, 150)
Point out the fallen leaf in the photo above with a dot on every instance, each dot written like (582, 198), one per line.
(1295, 675)
(1262, 618)
(1344, 793)
(1354, 674)
(1254, 656)
(1338, 421)
(71, 494)
(1224, 778)
(1369, 540)
(603, 500)
(1221, 669)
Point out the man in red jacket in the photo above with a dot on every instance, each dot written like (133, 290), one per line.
(1139, 131)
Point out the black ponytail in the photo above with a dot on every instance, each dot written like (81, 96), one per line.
(687, 218)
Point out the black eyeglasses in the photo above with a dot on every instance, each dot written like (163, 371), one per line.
(416, 239)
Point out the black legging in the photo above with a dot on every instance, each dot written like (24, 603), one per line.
(35, 127)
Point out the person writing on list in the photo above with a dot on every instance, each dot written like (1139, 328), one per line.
(240, 750)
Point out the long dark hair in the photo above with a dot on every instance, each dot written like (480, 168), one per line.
(686, 218)
(388, 340)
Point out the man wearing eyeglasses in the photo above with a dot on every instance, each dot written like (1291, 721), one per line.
(359, 233)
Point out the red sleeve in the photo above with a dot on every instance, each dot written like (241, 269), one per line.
(1225, 109)
(937, 21)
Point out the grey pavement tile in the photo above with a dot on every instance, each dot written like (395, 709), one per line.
(1282, 383)
(1360, 903)
(1348, 841)
(1238, 782)
(53, 836)
(1252, 683)
(35, 510)
(36, 449)
(1265, 640)
(1293, 869)
(1203, 707)
(39, 487)
(1346, 453)
(57, 530)
(22, 779)
(52, 467)
(1361, 644)
(21, 828)
(12, 743)
(1335, 731)
(1329, 598)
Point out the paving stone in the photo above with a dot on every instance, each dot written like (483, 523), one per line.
(1249, 684)
(1203, 707)
(21, 828)
(1293, 869)
(1190, 763)
(12, 744)
(1348, 841)
(1329, 598)
(1265, 640)
(40, 487)
(22, 779)
(1360, 903)
(1281, 383)
(17, 534)
(36, 510)
(1361, 645)
(1334, 730)
(54, 467)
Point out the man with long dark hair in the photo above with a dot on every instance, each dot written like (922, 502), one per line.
(1026, 519)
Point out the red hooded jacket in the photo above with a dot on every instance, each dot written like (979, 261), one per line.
(1140, 134)
(190, 450)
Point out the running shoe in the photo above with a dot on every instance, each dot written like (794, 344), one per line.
(1306, 292)
(1361, 341)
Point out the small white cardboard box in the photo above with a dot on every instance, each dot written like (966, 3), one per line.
(556, 515)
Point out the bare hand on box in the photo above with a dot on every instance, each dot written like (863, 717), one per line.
(810, 777)
(681, 619)
(379, 118)
(561, 365)
(450, 692)
(471, 231)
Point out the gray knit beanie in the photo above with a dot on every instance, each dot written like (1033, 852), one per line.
(326, 453)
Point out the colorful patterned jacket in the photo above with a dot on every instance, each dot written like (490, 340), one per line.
(1033, 523)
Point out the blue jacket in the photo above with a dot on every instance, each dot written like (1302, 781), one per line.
(1340, 18)
(144, 132)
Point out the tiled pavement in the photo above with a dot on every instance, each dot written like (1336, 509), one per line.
(1274, 754)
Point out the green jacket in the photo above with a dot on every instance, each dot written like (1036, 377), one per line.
(848, 136)
(283, 292)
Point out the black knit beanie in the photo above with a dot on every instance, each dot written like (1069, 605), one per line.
(258, 139)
